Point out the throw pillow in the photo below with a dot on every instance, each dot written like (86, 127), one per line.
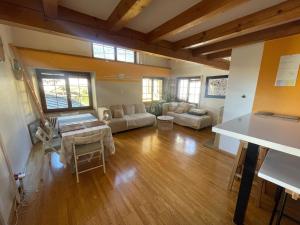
(185, 106)
(140, 108)
(129, 109)
(179, 110)
(197, 112)
(113, 108)
(172, 106)
(118, 113)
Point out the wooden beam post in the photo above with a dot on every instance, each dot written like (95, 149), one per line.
(50, 8)
(199, 13)
(284, 12)
(217, 55)
(125, 11)
(73, 24)
(263, 35)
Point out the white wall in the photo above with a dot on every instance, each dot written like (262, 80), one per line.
(153, 60)
(51, 42)
(114, 93)
(15, 113)
(181, 69)
(244, 71)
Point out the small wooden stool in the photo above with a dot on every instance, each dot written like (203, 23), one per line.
(238, 169)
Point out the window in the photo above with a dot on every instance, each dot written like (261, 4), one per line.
(125, 55)
(152, 89)
(188, 89)
(62, 90)
(110, 52)
(104, 51)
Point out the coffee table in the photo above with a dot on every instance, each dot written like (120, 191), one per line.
(165, 122)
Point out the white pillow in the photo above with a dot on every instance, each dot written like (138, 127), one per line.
(129, 109)
(197, 111)
(140, 108)
(172, 106)
(186, 106)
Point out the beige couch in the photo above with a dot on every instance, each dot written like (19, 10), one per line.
(134, 116)
(184, 118)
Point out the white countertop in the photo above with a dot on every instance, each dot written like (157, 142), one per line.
(281, 169)
(275, 133)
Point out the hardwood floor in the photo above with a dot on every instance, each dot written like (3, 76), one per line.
(154, 178)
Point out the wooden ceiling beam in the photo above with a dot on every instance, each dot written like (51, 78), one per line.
(199, 13)
(72, 24)
(124, 12)
(258, 36)
(50, 8)
(278, 14)
(218, 55)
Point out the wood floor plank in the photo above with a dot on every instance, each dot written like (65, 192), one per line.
(155, 178)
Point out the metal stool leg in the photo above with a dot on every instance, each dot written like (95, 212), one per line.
(281, 207)
(278, 210)
(279, 191)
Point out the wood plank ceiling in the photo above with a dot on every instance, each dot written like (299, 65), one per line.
(208, 46)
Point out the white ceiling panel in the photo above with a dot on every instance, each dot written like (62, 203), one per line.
(158, 12)
(232, 14)
(97, 8)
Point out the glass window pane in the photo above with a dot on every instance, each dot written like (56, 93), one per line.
(104, 51)
(73, 81)
(152, 89)
(182, 93)
(63, 85)
(147, 89)
(157, 89)
(55, 93)
(79, 92)
(84, 101)
(83, 82)
(125, 55)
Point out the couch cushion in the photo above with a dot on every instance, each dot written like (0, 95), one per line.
(140, 120)
(196, 122)
(140, 108)
(129, 109)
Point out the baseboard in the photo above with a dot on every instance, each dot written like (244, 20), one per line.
(228, 154)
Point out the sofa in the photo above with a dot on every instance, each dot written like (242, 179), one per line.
(125, 117)
(187, 114)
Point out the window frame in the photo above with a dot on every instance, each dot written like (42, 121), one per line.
(188, 90)
(115, 53)
(67, 75)
(152, 87)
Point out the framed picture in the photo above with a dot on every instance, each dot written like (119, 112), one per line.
(216, 86)
(32, 127)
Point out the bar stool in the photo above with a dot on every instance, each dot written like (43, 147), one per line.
(238, 166)
(283, 170)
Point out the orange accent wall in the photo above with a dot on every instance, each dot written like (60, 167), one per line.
(285, 100)
(105, 70)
